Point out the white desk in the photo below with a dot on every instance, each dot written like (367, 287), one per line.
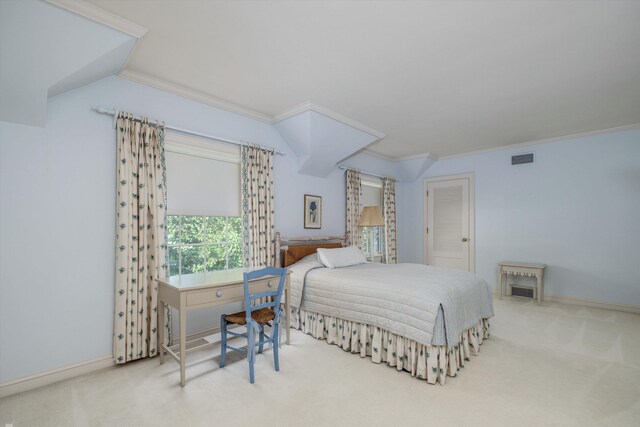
(505, 268)
(200, 290)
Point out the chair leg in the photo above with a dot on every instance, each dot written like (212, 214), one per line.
(261, 346)
(223, 340)
(275, 347)
(283, 322)
(251, 351)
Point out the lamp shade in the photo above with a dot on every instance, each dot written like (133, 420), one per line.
(371, 217)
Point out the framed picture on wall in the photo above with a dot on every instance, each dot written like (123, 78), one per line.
(312, 211)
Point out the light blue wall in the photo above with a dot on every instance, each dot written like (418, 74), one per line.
(576, 209)
(57, 218)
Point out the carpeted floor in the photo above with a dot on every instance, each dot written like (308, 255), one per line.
(543, 365)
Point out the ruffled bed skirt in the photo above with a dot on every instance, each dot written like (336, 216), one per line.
(427, 362)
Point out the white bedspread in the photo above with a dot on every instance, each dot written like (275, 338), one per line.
(430, 305)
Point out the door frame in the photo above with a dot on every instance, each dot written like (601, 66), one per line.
(472, 214)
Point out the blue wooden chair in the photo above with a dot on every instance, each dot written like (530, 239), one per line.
(255, 317)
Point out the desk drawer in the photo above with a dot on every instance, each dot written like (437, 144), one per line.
(213, 295)
(234, 292)
(263, 285)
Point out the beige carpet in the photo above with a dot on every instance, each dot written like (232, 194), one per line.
(550, 365)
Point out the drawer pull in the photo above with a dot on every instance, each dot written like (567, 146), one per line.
(270, 284)
(219, 293)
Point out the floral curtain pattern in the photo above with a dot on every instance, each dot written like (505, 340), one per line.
(354, 191)
(258, 206)
(141, 249)
(432, 363)
(390, 254)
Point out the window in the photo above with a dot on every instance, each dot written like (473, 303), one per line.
(204, 230)
(203, 177)
(203, 243)
(378, 241)
(372, 196)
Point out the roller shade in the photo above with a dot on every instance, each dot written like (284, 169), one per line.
(203, 176)
(371, 193)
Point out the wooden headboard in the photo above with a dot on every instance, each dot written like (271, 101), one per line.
(293, 249)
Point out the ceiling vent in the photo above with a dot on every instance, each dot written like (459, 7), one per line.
(521, 159)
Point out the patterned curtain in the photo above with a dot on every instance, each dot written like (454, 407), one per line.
(354, 190)
(390, 255)
(140, 237)
(258, 206)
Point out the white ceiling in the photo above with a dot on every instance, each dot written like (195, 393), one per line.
(438, 77)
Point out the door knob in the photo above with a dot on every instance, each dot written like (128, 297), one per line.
(464, 239)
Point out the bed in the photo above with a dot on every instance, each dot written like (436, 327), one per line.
(422, 319)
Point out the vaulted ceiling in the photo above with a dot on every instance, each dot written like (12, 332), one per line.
(437, 77)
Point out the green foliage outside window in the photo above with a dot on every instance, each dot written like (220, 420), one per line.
(203, 243)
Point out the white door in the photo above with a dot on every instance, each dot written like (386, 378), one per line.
(449, 223)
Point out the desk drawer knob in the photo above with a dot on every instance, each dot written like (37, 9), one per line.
(219, 293)
(270, 284)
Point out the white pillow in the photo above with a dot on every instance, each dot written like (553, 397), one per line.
(341, 257)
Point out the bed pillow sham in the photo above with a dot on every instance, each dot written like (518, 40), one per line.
(342, 257)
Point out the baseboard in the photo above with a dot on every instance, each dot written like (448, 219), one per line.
(20, 385)
(8, 388)
(31, 382)
(628, 308)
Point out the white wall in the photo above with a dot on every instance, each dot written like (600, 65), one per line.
(576, 209)
(57, 217)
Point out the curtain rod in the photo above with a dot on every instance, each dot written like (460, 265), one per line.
(114, 113)
(368, 173)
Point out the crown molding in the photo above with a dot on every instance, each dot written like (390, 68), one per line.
(399, 159)
(101, 16)
(377, 154)
(309, 106)
(417, 156)
(505, 147)
(195, 95)
(293, 111)
(545, 141)
(199, 96)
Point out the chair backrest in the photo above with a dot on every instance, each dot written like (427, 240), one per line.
(272, 297)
